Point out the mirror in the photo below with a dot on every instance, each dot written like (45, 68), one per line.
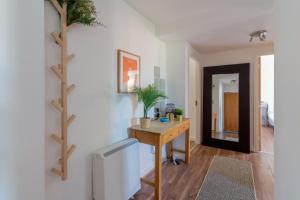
(225, 107)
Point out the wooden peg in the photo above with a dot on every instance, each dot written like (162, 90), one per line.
(70, 88)
(57, 38)
(71, 119)
(57, 139)
(57, 71)
(71, 57)
(71, 150)
(57, 6)
(71, 26)
(57, 172)
(57, 105)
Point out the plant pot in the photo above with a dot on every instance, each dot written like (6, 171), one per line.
(170, 116)
(179, 118)
(145, 122)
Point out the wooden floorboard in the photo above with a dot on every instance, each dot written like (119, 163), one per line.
(267, 140)
(184, 181)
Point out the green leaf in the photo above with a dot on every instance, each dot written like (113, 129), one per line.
(179, 111)
(149, 96)
(81, 12)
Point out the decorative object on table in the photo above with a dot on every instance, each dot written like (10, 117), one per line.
(71, 12)
(149, 96)
(171, 116)
(164, 120)
(179, 114)
(156, 113)
(128, 71)
(170, 108)
(170, 111)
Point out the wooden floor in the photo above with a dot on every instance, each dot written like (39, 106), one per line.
(192, 144)
(267, 140)
(183, 182)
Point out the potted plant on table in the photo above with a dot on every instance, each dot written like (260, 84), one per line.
(149, 96)
(179, 114)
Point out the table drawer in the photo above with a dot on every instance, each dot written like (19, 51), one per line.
(171, 135)
(185, 126)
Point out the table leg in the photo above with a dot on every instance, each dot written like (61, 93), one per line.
(187, 147)
(158, 170)
(169, 150)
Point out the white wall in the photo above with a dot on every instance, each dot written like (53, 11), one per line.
(22, 100)
(287, 98)
(216, 104)
(267, 81)
(246, 55)
(103, 116)
(178, 55)
(176, 73)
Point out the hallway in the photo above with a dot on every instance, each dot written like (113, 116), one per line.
(182, 182)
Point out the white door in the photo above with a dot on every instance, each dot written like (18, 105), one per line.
(193, 102)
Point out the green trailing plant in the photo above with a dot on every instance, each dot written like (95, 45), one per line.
(149, 96)
(80, 12)
(179, 111)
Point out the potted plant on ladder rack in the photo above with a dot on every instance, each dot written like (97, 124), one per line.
(149, 96)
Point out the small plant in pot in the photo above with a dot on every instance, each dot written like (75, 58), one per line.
(179, 114)
(149, 96)
(80, 12)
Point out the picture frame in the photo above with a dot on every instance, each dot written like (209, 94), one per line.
(128, 71)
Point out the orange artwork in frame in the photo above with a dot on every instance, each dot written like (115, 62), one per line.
(128, 71)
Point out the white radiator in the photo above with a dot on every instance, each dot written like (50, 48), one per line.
(116, 171)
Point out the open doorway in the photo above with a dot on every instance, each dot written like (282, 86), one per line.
(193, 91)
(267, 104)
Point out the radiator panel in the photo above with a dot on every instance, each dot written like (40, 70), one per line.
(117, 171)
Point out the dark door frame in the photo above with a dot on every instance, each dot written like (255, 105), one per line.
(244, 107)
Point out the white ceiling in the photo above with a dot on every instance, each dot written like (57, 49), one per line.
(209, 25)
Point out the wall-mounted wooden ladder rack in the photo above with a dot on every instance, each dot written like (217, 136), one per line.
(61, 104)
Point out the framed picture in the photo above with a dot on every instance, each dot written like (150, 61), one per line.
(128, 71)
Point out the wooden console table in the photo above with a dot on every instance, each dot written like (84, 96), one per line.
(158, 135)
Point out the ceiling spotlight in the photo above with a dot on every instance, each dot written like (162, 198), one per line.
(261, 35)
